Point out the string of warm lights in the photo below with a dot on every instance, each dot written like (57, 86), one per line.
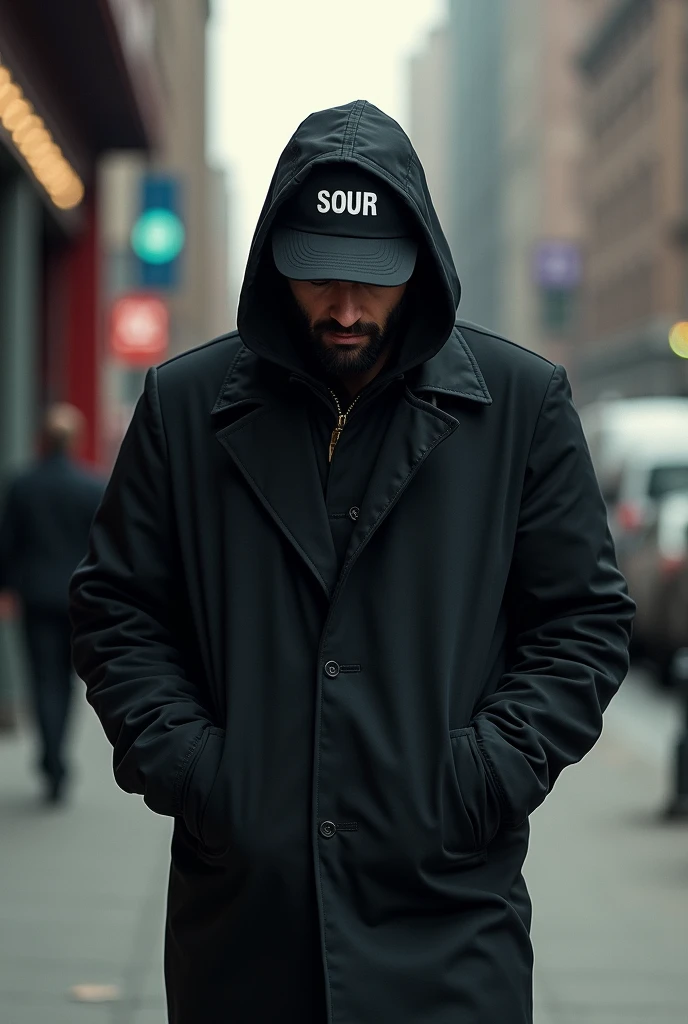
(35, 143)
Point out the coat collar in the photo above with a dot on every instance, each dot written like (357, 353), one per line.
(245, 382)
(453, 371)
(265, 431)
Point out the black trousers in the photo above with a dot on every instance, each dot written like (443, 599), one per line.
(48, 642)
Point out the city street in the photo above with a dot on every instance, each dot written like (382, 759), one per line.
(399, 323)
(82, 890)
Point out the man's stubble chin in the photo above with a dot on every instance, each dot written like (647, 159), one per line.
(340, 361)
(336, 361)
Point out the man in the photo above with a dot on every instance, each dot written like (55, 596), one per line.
(349, 609)
(43, 536)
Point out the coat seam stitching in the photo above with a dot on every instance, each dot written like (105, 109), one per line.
(539, 416)
(474, 362)
(442, 416)
(155, 400)
(213, 341)
(493, 774)
(182, 769)
(486, 333)
(230, 373)
(244, 421)
(453, 391)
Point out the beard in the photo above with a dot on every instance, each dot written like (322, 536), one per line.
(336, 361)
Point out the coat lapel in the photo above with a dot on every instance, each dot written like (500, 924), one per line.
(269, 440)
(415, 430)
(270, 443)
(417, 427)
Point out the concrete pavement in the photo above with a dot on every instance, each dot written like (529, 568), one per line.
(82, 890)
(609, 882)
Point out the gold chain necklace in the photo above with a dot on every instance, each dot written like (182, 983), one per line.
(341, 421)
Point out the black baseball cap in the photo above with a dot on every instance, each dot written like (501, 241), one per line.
(345, 225)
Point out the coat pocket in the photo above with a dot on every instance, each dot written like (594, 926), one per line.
(476, 811)
(204, 807)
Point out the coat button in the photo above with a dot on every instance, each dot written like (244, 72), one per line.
(354, 513)
(327, 829)
(332, 669)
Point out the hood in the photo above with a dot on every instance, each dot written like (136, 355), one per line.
(361, 134)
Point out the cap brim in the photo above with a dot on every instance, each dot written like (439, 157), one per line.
(305, 256)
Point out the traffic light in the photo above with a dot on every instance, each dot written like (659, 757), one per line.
(158, 235)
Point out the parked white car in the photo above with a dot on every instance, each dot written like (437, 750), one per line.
(646, 477)
(657, 574)
(617, 428)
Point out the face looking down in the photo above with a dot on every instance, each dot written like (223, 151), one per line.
(349, 326)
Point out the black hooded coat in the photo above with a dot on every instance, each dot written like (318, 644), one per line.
(350, 754)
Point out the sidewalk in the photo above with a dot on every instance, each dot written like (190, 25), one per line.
(609, 883)
(82, 890)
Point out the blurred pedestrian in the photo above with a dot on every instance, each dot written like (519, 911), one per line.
(44, 531)
(350, 607)
(8, 708)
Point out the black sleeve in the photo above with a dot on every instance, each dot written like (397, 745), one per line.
(571, 617)
(123, 611)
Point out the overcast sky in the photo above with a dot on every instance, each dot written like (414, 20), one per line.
(273, 62)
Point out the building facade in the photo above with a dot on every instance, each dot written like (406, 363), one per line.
(544, 144)
(429, 114)
(476, 96)
(634, 69)
(196, 294)
(511, 156)
(76, 102)
(62, 105)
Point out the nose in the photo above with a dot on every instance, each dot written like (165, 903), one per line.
(345, 306)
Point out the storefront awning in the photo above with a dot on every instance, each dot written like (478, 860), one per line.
(89, 67)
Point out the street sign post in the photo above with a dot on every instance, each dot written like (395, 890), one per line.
(557, 274)
(158, 235)
(557, 265)
(139, 329)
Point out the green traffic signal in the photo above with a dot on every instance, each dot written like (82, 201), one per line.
(158, 236)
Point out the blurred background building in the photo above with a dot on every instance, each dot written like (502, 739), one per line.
(475, 224)
(113, 228)
(83, 101)
(541, 159)
(553, 133)
(513, 145)
(177, 207)
(430, 112)
(62, 106)
(127, 116)
(634, 69)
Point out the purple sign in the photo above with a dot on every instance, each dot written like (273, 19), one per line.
(557, 265)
